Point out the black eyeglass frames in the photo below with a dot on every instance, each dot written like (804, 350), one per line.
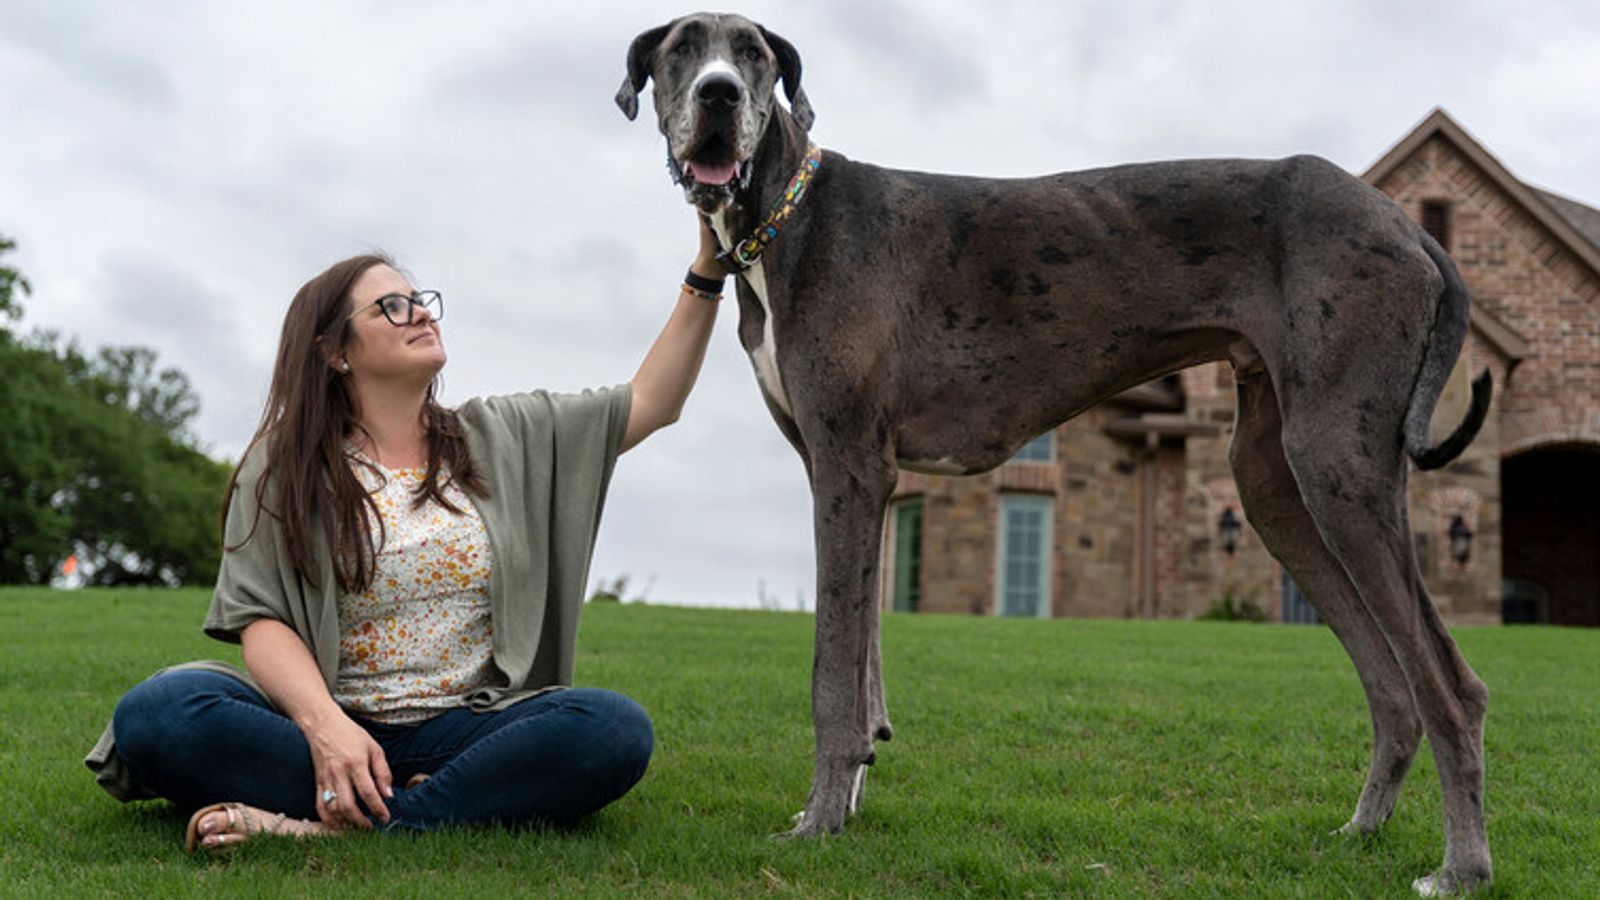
(400, 309)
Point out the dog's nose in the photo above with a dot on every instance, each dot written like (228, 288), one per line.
(719, 92)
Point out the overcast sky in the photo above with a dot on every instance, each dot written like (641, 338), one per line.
(173, 171)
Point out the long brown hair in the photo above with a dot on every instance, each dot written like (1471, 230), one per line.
(310, 414)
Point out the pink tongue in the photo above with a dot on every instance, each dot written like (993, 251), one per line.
(709, 174)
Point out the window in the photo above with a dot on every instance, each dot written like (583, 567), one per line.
(1040, 449)
(1297, 610)
(1523, 602)
(1436, 221)
(906, 542)
(1023, 586)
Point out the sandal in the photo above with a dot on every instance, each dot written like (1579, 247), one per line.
(243, 822)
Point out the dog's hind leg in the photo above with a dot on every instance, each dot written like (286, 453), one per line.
(850, 491)
(1343, 440)
(877, 711)
(1273, 505)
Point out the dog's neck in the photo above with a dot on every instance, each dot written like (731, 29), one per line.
(779, 155)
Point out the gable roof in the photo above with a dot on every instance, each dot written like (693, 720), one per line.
(1576, 226)
(1585, 219)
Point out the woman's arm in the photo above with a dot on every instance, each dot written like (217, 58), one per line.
(347, 760)
(668, 372)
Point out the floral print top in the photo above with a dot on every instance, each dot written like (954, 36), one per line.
(417, 640)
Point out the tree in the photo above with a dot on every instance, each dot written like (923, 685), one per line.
(11, 284)
(96, 459)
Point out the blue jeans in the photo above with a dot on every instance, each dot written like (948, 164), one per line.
(198, 738)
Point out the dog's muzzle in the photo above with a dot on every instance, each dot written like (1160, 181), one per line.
(710, 170)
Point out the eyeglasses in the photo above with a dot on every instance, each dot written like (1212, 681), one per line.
(401, 310)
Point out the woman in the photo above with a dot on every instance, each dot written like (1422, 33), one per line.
(405, 581)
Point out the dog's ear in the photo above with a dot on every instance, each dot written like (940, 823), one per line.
(639, 54)
(789, 71)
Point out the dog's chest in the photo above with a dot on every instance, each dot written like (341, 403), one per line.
(764, 355)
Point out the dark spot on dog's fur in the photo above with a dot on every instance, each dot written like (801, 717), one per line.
(1038, 286)
(1327, 309)
(1362, 274)
(962, 228)
(1111, 349)
(1053, 256)
(1200, 254)
(1294, 377)
(952, 318)
(1258, 220)
(1364, 419)
(1003, 280)
(1142, 201)
(1385, 251)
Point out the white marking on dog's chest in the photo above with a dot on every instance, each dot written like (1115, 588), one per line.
(765, 355)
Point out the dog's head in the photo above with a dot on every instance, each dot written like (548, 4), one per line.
(714, 77)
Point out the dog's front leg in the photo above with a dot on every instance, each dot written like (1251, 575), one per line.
(849, 496)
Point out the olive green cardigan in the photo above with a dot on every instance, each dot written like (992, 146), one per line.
(547, 461)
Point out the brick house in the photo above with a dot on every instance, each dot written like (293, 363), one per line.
(1120, 512)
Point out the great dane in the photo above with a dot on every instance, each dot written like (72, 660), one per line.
(934, 323)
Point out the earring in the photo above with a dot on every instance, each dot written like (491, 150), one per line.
(344, 366)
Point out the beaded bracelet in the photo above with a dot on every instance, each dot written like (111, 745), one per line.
(703, 295)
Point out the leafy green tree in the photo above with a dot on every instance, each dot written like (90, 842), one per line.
(11, 284)
(96, 459)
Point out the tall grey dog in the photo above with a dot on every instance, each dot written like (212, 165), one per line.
(935, 323)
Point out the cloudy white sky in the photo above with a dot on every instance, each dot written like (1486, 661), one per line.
(173, 171)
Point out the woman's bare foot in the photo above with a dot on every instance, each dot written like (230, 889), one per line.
(224, 825)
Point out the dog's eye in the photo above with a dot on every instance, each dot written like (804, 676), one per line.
(752, 54)
(682, 48)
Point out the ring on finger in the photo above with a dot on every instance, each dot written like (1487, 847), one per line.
(328, 796)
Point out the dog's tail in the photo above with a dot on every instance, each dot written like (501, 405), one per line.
(1449, 331)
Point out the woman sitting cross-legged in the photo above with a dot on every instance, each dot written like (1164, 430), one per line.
(405, 580)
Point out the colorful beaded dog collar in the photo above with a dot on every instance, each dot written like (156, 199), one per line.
(743, 255)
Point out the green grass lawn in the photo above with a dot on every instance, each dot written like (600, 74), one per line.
(1093, 758)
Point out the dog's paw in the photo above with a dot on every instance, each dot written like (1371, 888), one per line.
(806, 827)
(1353, 829)
(1447, 884)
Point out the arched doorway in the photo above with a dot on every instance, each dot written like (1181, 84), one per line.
(1551, 507)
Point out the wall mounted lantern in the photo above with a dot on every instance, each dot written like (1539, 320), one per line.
(1460, 540)
(1228, 530)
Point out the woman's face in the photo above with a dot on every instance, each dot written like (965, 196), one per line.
(381, 350)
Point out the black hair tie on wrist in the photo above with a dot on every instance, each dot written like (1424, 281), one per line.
(702, 283)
